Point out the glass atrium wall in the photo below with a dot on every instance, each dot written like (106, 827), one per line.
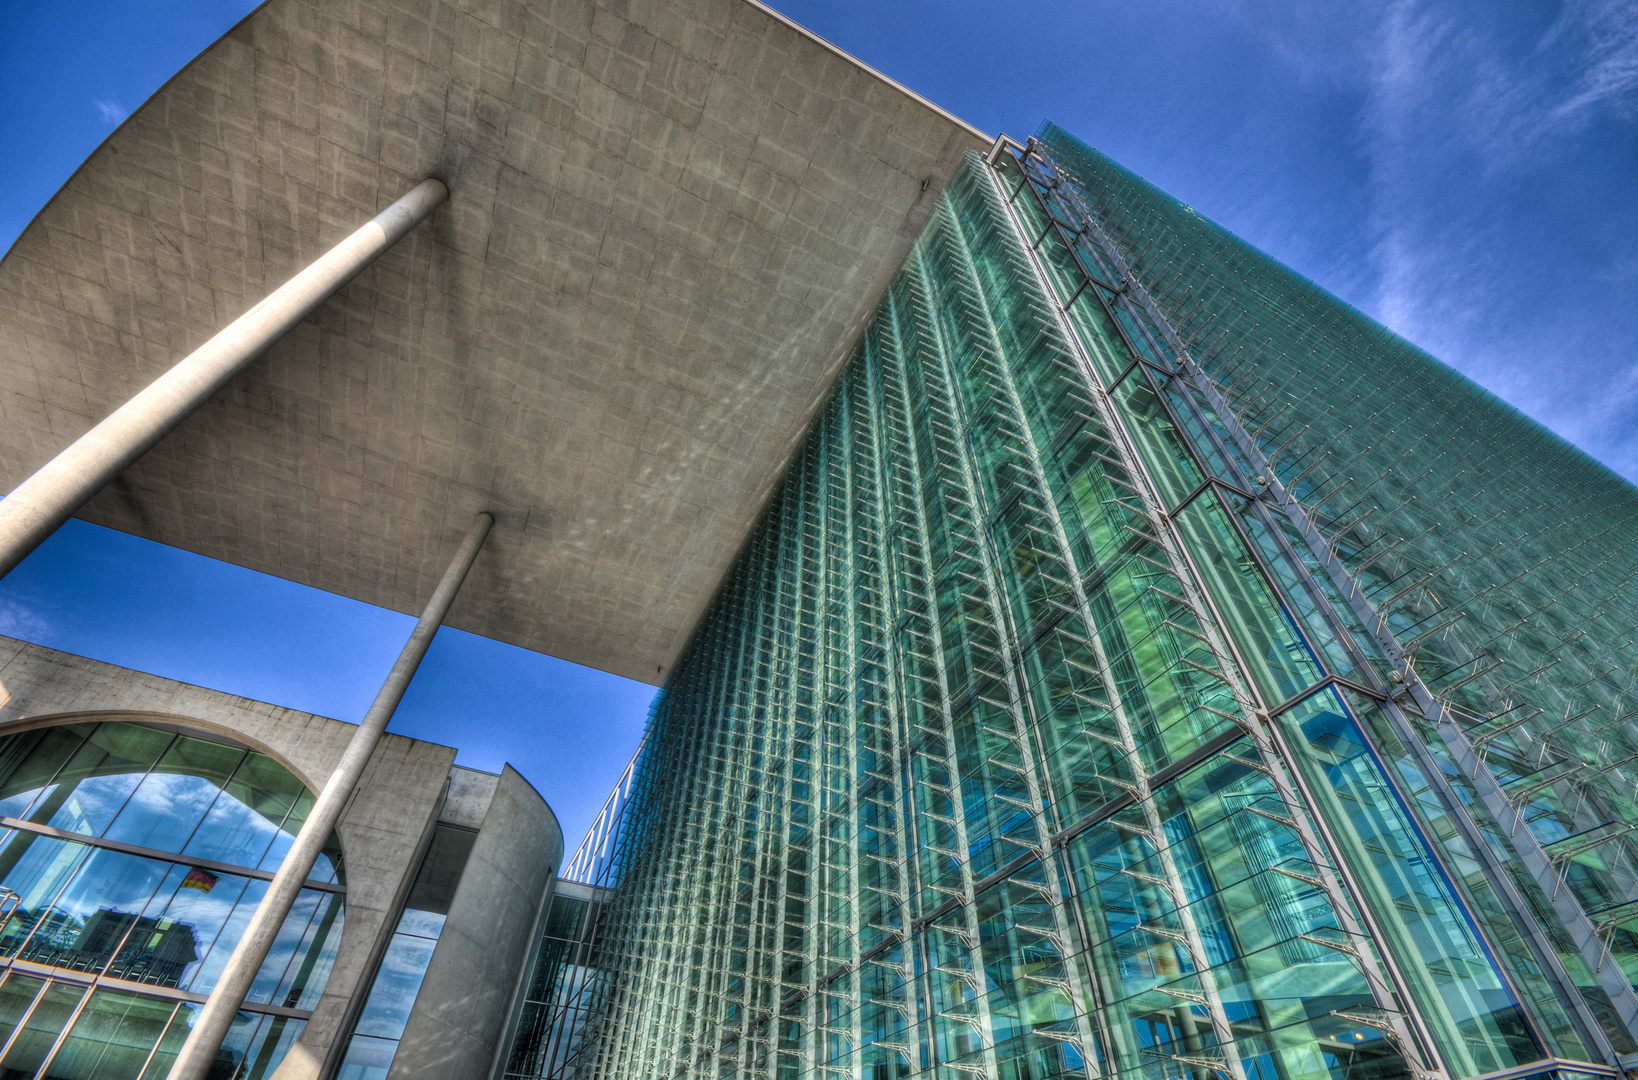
(1491, 562)
(1036, 734)
(131, 858)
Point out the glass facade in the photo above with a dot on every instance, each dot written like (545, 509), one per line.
(131, 859)
(397, 982)
(1147, 667)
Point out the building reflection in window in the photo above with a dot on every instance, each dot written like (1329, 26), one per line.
(398, 980)
(132, 857)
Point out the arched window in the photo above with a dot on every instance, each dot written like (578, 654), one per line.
(131, 857)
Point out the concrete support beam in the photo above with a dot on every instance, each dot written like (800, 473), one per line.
(211, 1026)
(38, 506)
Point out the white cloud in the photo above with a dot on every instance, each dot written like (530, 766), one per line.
(110, 111)
(19, 621)
(1469, 127)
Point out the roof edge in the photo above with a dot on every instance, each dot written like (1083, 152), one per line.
(868, 70)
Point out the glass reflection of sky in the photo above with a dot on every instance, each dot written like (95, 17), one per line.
(154, 789)
(88, 908)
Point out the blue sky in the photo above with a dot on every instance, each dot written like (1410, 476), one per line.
(1466, 172)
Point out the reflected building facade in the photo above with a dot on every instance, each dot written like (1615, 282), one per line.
(1147, 667)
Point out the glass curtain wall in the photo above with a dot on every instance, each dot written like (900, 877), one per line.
(1006, 750)
(131, 859)
(1488, 560)
(559, 995)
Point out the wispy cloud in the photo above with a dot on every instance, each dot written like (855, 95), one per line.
(1463, 118)
(110, 111)
(19, 621)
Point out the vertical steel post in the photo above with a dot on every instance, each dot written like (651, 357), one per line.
(38, 506)
(211, 1026)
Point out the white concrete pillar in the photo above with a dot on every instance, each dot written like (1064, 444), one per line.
(38, 506)
(210, 1027)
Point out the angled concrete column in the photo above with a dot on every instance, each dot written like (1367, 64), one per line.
(39, 505)
(210, 1027)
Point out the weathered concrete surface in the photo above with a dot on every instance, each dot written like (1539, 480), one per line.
(381, 831)
(668, 219)
(466, 998)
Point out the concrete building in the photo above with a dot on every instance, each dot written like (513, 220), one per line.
(142, 815)
(1087, 648)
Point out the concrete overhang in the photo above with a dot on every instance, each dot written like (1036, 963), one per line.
(668, 220)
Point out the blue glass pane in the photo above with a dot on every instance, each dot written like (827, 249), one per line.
(171, 800)
(203, 905)
(101, 775)
(35, 868)
(367, 1058)
(246, 818)
(93, 915)
(299, 962)
(159, 948)
(396, 984)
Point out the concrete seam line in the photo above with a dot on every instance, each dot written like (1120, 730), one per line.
(38, 506)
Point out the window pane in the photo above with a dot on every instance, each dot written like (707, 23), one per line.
(16, 994)
(159, 948)
(299, 962)
(92, 916)
(176, 1033)
(273, 1038)
(41, 1031)
(35, 868)
(396, 984)
(217, 951)
(436, 881)
(29, 761)
(100, 777)
(197, 904)
(112, 1037)
(245, 819)
(171, 800)
(367, 1058)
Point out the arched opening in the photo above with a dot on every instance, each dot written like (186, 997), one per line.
(132, 854)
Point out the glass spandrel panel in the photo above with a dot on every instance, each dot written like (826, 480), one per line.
(99, 778)
(172, 799)
(112, 1038)
(29, 761)
(39, 1034)
(170, 1043)
(17, 993)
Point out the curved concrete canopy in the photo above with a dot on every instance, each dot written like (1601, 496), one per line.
(668, 220)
